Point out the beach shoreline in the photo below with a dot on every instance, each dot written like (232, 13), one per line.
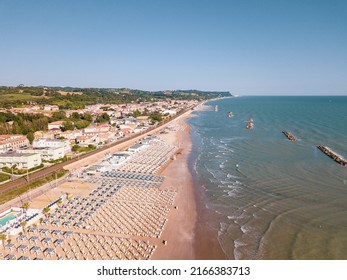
(192, 230)
(206, 244)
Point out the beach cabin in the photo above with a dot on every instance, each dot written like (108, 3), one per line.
(135, 148)
(118, 158)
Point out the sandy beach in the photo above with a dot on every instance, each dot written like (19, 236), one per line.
(189, 234)
(168, 222)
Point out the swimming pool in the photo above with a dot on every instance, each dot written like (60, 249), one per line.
(10, 216)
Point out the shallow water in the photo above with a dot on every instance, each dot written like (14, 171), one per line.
(280, 199)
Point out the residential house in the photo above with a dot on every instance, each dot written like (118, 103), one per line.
(52, 143)
(45, 153)
(21, 161)
(55, 125)
(12, 142)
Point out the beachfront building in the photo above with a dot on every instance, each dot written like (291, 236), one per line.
(146, 141)
(46, 153)
(21, 161)
(118, 158)
(52, 143)
(12, 142)
(136, 148)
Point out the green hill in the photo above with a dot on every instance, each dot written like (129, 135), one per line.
(78, 98)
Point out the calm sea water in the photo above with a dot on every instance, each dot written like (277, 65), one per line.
(276, 199)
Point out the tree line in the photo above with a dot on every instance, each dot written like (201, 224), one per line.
(27, 124)
(23, 96)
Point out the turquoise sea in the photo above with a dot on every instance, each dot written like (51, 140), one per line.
(275, 199)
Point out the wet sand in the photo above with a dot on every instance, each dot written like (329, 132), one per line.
(191, 230)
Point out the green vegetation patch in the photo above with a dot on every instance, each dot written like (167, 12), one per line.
(55, 161)
(17, 171)
(80, 149)
(18, 97)
(4, 177)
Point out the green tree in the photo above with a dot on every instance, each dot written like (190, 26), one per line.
(75, 148)
(26, 206)
(82, 124)
(16, 129)
(46, 210)
(2, 239)
(136, 113)
(87, 117)
(59, 115)
(31, 137)
(155, 117)
(91, 147)
(40, 124)
(76, 115)
(23, 224)
(103, 118)
(68, 125)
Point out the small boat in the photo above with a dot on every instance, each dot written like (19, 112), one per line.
(250, 125)
(230, 114)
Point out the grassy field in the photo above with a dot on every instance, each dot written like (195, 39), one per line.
(18, 96)
(4, 177)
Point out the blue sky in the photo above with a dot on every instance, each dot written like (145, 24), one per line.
(247, 47)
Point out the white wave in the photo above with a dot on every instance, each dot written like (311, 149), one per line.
(232, 176)
(239, 242)
(225, 182)
(246, 229)
(232, 194)
(223, 227)
(212, 172)
(223, 147)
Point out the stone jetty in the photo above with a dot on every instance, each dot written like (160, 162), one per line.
(333, 155)
(290, 136)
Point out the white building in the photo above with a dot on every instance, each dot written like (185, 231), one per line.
(86, 140)
(50, 108)
(169, 112)
(119, 157)
(55, 125)
(52, 143)
(22, 161)
(12, 142)
(137, 147)
(46, 153)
